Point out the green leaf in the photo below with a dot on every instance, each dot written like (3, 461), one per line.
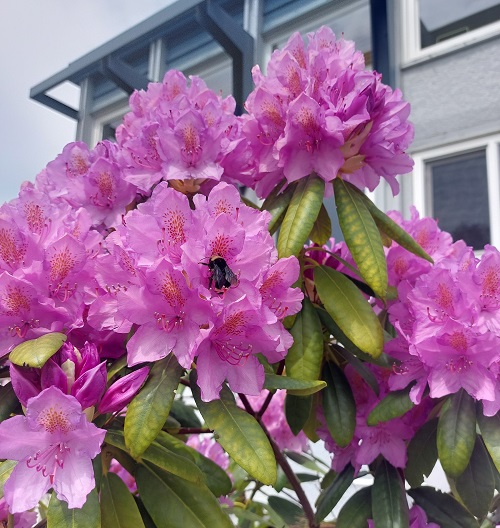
(305, 356)
(361, 236)
(338, 405)
(394, 405)
(277, 203)
(213, 475)
(456, 433)
(6, 469)
(297, 411)
(476, 485)
(391, 228)
(171, 460)
(331, 495)
(8, 401)
(357, 510)
(35, 352)
(350, 310)
(238, 433)
(490, 431)
(442, 509)
(173, 502)
(88, 516)
(298, 387)
(118, 507)
(389, 506)
(184, 414)
(422, 453)
(300, 215)
(290, 512)
(322, 228)
(148, 411)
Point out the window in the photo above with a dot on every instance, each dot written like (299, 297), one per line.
(459, 186)
(437, 26)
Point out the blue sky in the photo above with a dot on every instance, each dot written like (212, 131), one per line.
(38, 39)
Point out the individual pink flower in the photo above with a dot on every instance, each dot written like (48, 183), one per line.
(54, 444)
(25, 519)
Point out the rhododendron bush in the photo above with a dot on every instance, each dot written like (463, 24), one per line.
(171, 351)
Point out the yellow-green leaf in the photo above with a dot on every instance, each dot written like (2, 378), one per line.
(35, 352)
(350, 310)
(322, 228)
(490, 431)
(277, 203)
(361, 236)
(391, 229)
(6, 469)
(239, 434)
(299, 387)
(305, 356)
(148, 411)
(394, 405)
(118, 507)
(301, 215)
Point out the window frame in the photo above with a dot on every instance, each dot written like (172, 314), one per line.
(412, 53)
(421, 184)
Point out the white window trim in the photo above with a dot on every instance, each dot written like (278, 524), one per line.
(491, 145)
(413, 54)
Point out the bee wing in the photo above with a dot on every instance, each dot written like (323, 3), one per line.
(231, 278)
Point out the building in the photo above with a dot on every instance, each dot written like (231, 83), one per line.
(443, 54)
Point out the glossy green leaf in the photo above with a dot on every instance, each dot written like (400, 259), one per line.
(305, 356)
(299, 387)
(391, 228)
(322, 228)
(118, 507)
(277, 203)
(173, 502)
(361, 236)
(213, 475)
(442, 508)
(350, 310)
(331, 495)
(422, 453)
(171, 460)
(357, 510)
(389, 506)
(6, 468)
(456, 433)
(300, 216)
(148, 411)
(35, 352)
(476, 485)
(8, 402)
(184, 414)
(239, 434)
(490, 431)
(297, 411)
(394, 405)
(290, 512)
(88, 516)
(339, 406)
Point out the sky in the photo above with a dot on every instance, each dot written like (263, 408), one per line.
(39, 38)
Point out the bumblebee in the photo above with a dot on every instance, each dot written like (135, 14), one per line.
(221, 274)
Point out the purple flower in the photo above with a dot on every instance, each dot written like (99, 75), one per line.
(54, 444)
(122, 391)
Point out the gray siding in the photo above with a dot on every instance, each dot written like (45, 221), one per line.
(456, 96)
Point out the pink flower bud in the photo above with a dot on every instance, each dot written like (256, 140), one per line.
(122, 391)
(88, 388)
(53, 374)
(25, 383)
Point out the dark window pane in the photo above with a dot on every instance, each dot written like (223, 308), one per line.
(444, 19)
(460, 197)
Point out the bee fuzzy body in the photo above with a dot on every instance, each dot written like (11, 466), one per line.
(221, 275)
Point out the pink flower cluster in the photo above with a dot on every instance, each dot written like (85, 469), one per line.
(318, 110)
(202, 282)
(179, 132)
(388, 439)
(448, 330)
